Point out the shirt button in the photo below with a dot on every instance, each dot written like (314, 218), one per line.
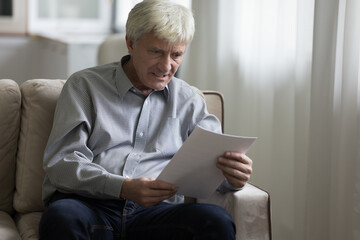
(141, 134)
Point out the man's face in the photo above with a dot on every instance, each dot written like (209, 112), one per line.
(154, 60)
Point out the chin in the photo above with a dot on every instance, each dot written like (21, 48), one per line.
(160, 85)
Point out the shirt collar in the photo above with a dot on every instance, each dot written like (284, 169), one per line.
(123, 83)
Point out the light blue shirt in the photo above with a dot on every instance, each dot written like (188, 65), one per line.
(105, 130)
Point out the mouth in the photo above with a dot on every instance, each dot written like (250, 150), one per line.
(162, 77)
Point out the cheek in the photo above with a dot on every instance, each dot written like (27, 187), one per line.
(177, 64)
(149, 64)
(144, 67)
(175, 68)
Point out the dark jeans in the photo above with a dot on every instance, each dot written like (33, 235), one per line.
(75, 217)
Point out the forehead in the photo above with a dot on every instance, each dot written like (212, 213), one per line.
(149, 40)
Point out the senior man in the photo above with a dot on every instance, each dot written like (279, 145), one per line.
(117, 126)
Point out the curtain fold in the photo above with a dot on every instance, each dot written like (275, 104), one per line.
(289, 71)
(345, 200)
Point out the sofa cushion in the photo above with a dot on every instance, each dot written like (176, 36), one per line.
(10, 102)
(39, 99)
(28, 225)
(8, 229)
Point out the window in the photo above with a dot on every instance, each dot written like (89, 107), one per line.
(69, 16)
(81, 16)
(12, 16)
(5, 8)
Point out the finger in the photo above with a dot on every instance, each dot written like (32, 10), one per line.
(152, 184)
(156, 188)
(157, 184)
(238, 176)
(159, 193)
(233, 164)
(236, 183)
(231, 168)
(162, 196)
(152, 200)
(240, 157)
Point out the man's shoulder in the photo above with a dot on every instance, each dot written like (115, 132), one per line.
(93, 74)
(97, 70)
(182, 88)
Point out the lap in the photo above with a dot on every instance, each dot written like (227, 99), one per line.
(181, 221)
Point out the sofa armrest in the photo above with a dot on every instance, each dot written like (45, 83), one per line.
(250, 209)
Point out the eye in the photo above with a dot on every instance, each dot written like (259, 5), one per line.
(177, 55)
(155, 52)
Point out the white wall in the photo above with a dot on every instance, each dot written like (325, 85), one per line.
(23, 57)
(17, 60)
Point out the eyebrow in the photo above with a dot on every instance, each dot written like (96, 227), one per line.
(179, 53)
(162, 50)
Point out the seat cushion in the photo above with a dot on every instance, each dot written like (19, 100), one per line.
(28, 225)
(39, 98)
(10, 103)
(8, 229)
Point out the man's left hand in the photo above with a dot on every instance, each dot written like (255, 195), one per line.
(236, 167)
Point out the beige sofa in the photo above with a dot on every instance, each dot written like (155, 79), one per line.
(26, 115)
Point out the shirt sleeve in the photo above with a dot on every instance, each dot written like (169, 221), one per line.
(67, 157)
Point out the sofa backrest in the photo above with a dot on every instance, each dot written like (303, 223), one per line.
(10, 102)
(215, 104)
(39, 99)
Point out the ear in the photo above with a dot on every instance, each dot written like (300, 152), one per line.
(129, 44)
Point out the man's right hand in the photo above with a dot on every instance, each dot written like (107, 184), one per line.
(147, 191)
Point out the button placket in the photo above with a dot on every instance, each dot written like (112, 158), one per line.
(140, 140)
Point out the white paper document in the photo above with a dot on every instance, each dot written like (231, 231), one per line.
(193, 168)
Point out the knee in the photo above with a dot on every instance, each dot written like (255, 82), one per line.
(62, 219)
(65, 211)
(218, 222)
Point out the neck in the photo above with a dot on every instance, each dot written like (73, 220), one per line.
(130, 72)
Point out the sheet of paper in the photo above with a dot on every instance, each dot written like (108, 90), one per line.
(193, 168)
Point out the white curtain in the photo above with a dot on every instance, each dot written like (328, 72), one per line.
(290, 71)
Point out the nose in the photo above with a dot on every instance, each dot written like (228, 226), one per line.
(164, 64)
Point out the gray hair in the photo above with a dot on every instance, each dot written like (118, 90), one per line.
(171, 22)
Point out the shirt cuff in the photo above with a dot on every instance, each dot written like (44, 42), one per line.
(113, 185)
